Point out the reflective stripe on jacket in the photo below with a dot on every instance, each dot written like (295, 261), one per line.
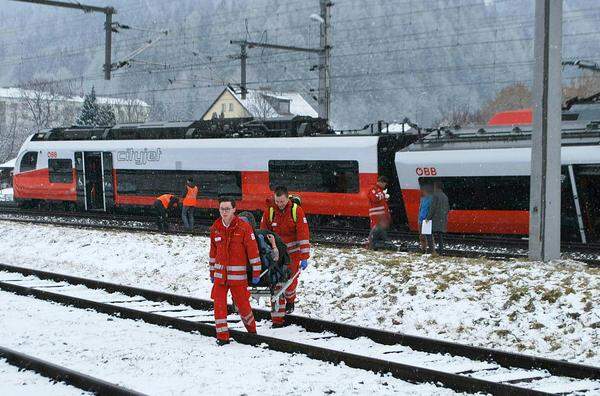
(231, 250)
(378, 204)
(295, 234)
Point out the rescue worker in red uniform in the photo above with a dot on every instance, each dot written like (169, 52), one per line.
(378, 202)
(287, 219)
(189, 204)
(232, 247)
(163, 205)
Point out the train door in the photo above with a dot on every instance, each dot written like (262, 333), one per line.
(95, 190)
(588, 190)
(570, 212)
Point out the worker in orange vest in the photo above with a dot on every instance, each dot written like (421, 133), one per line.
(232, 247)
(163, 205)
(189, 203)
(378, 201)
(287, 219)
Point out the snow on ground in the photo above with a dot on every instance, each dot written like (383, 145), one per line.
(6, 194)
(535, 308)
(161, 361)
(14, 382)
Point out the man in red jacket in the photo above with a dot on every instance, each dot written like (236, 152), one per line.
(378, 201)
(232, 247)
(287, 219)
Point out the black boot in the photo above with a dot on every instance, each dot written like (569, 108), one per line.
(278, 325)
(289, 307)
(222, 342)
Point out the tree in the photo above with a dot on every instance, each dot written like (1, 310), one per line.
(95, 114)
(89, 112)
(40, 99)
(583, 86)
(106, 115)
(513, 97)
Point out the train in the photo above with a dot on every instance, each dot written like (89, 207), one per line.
(484, 170)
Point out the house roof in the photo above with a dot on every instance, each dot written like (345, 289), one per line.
(20, 93)
(256, 105)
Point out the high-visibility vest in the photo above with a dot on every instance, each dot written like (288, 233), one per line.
(190, 196)
(165, 199)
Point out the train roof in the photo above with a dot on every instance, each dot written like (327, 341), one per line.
(285, 126)
(487, 137)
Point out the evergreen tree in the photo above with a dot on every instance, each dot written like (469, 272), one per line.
(89, 111)
(106, 116)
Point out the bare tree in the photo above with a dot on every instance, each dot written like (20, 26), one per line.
(260, 106)
(459, 114)
(41, 99)
(583, 86)
(513, 97)
(131, 109)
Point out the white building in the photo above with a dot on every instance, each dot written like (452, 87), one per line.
(29, 108)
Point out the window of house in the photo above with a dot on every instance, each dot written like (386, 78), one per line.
(315, 176)
(230, 107)
(28, 162)
(60, 170)
(284, 107)
(223, 108)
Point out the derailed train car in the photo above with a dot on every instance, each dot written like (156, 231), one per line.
(129, 165)
(485, 173)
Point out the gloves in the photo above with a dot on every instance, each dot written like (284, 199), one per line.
(255, 280)
(212, 279)
(303, 264)
(385, 194)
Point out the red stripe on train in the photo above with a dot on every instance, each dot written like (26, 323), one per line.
(36, 184)
(471, 221)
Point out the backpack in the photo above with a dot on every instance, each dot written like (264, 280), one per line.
(296, 201)
(277, 271)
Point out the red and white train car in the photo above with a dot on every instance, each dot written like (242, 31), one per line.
(99, 169)
(485, 173)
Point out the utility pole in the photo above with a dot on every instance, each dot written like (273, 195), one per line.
(107, 11)
(544, 209)
(324, 97)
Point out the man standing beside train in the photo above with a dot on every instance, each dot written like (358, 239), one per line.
(189, 204)
(378, 201)
(287, 219)
(232, 247)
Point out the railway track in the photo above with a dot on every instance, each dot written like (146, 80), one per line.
(64, 374)
(416, 359)
(475, 248)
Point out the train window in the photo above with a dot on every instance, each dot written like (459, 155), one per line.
(485, 192)
(315, 176)
(174, 133)
(60, 170)
(211, 184)
(28, 162)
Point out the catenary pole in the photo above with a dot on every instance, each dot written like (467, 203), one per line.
(544, 223)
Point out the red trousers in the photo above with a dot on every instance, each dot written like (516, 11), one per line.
(375, 219)
(278, 307)
(290, 293)
(241, 298)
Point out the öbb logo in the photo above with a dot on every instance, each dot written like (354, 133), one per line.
(426, 171)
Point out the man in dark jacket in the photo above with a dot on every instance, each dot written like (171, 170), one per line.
(438, 214)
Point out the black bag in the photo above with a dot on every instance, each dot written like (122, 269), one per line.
(277, 271)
